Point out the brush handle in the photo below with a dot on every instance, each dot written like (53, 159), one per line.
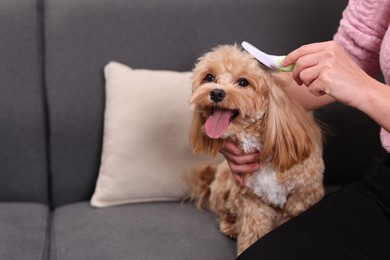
(284, 69)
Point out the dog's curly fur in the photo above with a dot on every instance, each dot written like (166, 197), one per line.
(290, 141)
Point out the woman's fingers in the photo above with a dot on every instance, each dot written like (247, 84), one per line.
(238, 157)
(240, 162)
(303, 51)
(315, 65)
(305, 63)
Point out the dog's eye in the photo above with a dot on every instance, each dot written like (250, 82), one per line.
(209, 78)
(242, 82)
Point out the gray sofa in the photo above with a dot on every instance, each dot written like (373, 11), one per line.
(52, 54)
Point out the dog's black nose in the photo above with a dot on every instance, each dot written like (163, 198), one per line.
(217, 95)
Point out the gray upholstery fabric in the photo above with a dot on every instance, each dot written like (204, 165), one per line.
(23, 174)
(137, 231)
(82, 36)
(23, 231)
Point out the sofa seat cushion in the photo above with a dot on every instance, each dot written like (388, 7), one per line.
(23, 231)
(158, 230)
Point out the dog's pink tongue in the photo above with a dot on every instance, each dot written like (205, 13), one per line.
(217, 123)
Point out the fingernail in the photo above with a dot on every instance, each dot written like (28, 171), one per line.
(253, 150)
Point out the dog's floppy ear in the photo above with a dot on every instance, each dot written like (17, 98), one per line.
(290, 134)
(200, 143)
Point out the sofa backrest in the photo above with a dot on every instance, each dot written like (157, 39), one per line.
(81, 37)
(23, 154)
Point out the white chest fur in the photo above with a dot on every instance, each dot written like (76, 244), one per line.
(264, 182)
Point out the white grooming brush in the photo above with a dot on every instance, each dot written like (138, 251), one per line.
(271, 61)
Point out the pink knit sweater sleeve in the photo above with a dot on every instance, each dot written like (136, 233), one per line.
(364, 33)
(361, 31)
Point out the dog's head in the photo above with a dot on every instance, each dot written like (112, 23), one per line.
(232, 94)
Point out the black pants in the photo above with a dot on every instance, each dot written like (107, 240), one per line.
(352, 223)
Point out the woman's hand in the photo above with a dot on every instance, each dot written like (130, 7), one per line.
(240, 162)
(324, 68)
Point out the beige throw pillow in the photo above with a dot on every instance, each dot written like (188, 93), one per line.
(145, 143)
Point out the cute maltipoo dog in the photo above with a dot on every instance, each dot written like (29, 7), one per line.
(234, 98)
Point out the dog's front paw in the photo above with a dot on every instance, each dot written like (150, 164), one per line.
(228, 227)
(301, 201)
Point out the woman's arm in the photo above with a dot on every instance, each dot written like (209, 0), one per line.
(301, 94)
